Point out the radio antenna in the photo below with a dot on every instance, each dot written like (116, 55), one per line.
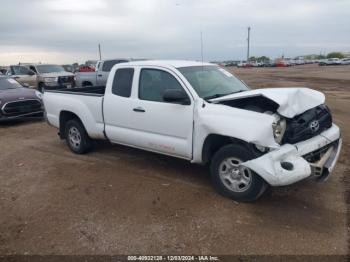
(202, 46)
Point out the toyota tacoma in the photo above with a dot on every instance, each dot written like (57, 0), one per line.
(250, 139)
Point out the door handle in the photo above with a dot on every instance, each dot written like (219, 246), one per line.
(139, 110)
(99, 75)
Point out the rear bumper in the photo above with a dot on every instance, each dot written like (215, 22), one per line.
(315, 157)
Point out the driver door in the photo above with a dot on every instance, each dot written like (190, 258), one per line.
(145, 120)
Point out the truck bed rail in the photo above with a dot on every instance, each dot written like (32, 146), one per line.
(89, 91)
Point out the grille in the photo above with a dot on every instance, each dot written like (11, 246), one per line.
(21, 107)
(302, 127)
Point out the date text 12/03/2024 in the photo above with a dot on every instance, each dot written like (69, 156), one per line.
(173, 258)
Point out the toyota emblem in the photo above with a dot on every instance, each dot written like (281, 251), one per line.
(314, 126)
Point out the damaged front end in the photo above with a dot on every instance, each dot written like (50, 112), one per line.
(315, 157)
(310, 146)
(309, 143)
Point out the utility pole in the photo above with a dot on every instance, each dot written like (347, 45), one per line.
(202, 46)
(99, 51)
(248, 39)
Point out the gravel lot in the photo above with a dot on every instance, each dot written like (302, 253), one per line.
(117, 200)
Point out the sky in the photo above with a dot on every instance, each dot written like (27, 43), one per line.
(67, 31)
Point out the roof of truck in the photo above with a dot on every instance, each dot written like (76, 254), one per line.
(166, 63)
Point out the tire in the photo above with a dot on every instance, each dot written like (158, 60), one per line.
(76, 137)
(41, 88)
(87, 84)
(233, 181)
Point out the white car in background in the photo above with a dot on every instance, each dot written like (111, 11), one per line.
(345, 61)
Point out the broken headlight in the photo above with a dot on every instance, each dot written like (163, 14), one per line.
(279, 128)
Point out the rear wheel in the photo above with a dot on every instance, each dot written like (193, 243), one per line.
(233, 180)
(87, 84)
(76, 137)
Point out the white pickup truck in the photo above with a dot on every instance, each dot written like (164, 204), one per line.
(199, 112)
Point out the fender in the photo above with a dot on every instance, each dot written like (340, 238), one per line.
(248, 126)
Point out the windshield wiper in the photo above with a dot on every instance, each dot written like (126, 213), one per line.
(220, 95)
(214, 96)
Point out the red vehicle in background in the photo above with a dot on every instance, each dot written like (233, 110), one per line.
(282, 63)
(86, 69)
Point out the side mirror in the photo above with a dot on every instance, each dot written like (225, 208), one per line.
(31, 73)
(176, 96)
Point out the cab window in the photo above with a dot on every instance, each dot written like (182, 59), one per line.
(122, 82)
(107, 65)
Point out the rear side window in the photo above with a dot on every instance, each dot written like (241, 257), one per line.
(107, 65)
(122, 82)
(20, 70)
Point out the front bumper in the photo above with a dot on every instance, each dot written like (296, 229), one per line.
(55, 85)
(36, 114)
(315, 157)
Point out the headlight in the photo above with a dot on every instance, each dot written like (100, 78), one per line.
(279, 128)
(39, 95)
(50, 79)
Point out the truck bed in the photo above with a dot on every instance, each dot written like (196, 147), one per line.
(82, 77)
(85, 103)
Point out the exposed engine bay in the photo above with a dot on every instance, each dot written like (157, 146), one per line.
(287, 130)
(309, 142)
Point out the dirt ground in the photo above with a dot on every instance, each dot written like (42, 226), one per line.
(117, 200)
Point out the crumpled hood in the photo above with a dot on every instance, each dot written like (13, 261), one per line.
(292, 101)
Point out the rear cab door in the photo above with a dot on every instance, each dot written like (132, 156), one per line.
(135, 113)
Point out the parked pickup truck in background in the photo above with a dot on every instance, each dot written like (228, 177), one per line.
(40, 76)
(98, 77)
(52, 76)
(251, 139)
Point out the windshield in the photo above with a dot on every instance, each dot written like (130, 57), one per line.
(8, 83)
(44, 69)
(212, 81)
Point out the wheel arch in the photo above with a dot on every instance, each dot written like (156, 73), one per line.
(65, 116)
(213, 142)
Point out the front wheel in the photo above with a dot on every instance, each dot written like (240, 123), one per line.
(76, 137)
(231, 179)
